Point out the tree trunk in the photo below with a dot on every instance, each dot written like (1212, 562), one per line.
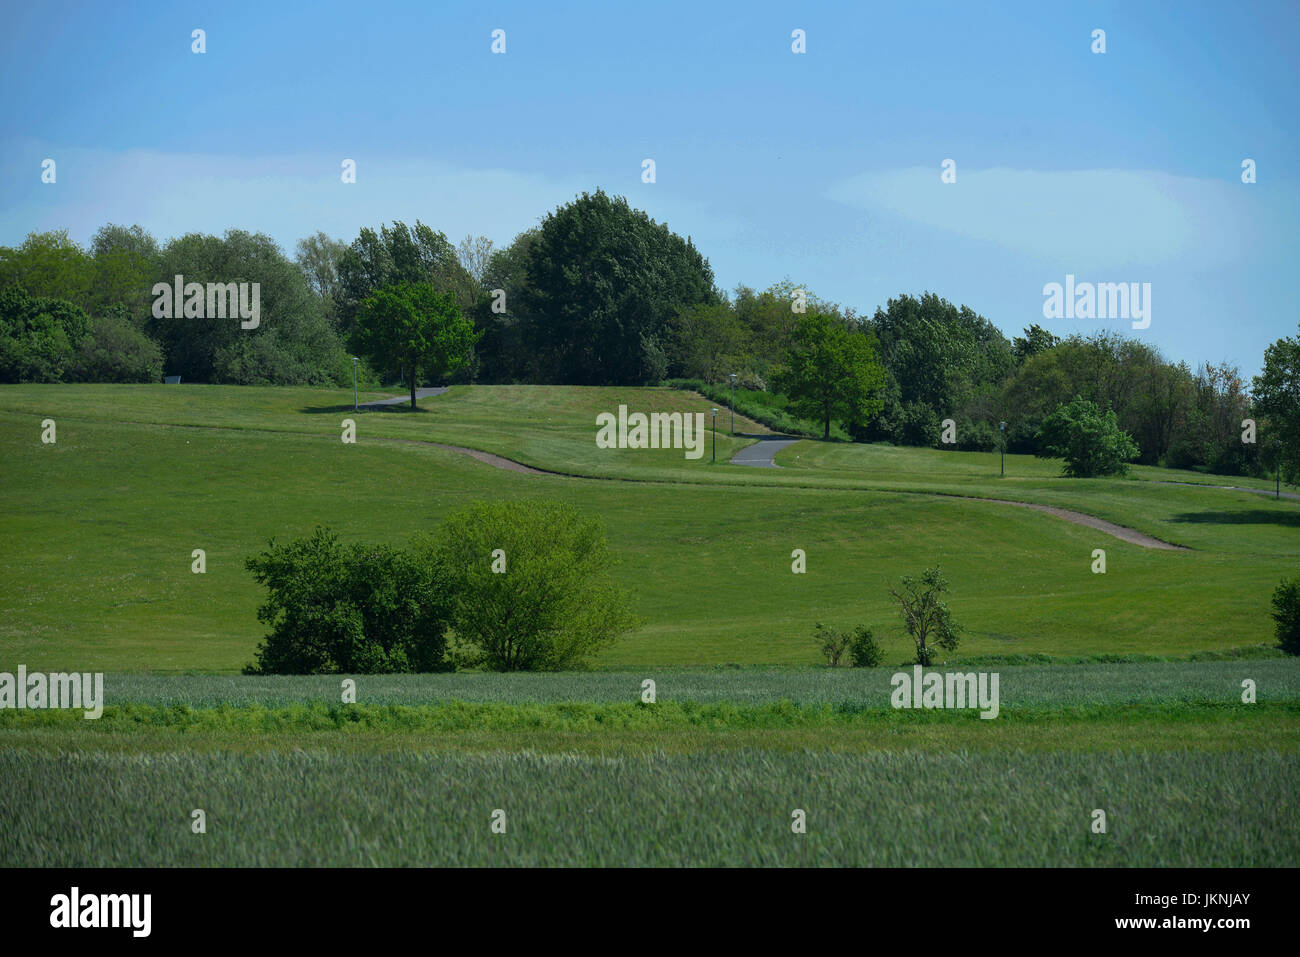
(412, 388)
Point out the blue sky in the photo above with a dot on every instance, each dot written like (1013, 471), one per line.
(823, 167)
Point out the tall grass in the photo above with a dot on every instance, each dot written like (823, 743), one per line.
(1037, 685)
(1183, 809)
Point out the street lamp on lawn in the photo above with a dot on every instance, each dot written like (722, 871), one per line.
(355, 360)
(1002, 427)
(715, 435)
(733, 403)
(1277, 467)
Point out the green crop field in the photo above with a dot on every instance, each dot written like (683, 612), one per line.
(1175, 808)
(1121, 691)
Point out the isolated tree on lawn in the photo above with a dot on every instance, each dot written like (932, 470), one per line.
(832, 372)
(416, 328)
(1277, 398)
(1286, 612)
(530, 583)
(926, 614)
(1090, 441)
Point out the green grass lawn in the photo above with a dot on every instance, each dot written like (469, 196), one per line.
(98, 529)
(95, 556)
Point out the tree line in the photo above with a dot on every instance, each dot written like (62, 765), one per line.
(600, 294)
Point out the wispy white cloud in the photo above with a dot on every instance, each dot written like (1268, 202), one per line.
(289, 197)
(1086, 219)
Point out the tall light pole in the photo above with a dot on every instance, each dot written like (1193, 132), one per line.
(715, 435)
(733, 403)
(1002, 428)
(1277, 467)
(355, 360)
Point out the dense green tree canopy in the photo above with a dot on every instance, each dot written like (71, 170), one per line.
(292, 344)
(832, 372)
(1277, 397)
(604, 282)
(398, 254)
(941, 361)
(530, 583)
(1090, 440)
(415, 328)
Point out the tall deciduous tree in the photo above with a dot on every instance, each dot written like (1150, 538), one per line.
(1277, 397)
(707, 341)
(832, 372)
(292, 344)
(318, 256)
(604, 280)
(397, 254)
(416, 328)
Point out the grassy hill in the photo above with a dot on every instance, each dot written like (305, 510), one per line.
(100, 527)
(95, 555)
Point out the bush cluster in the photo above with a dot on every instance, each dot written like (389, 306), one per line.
(510, 586)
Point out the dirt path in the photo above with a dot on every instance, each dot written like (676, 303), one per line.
(510, 465)
(1122, 532)
(1232, 488)
(762, 454)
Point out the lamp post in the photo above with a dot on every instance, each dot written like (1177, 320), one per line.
(355, 360)
(1002, 427)
(1277, 467)
(715, 435)
(733, 403)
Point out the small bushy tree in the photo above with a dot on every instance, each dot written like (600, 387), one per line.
(1286, 613)
(530, 583)
(1090, 441)
(864, 649)
(833, 643)
(336, 609)
(927, 616)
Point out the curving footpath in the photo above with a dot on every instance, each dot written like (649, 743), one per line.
(404, 399)
(762, 452)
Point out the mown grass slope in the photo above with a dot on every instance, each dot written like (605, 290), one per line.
(98, 530)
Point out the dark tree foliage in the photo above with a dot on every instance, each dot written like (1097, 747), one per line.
(1090, 440)
(831, 372)
(1277, 398)
(293, 343)
(38, 337)
(941, 361)
(1286, 614)
(398, 254)
(338, 609)
(604, 282)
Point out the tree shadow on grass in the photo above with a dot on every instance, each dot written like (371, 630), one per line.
(1253, 516)
(340, 409)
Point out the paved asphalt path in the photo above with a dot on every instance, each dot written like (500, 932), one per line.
(760, 453)
(1234, 488)
(398, 400)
